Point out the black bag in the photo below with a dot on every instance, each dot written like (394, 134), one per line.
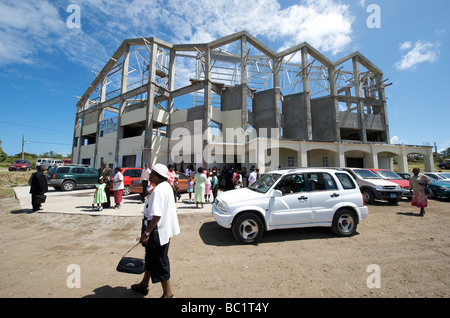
(40, 198)
(427, 190)
(131, 265)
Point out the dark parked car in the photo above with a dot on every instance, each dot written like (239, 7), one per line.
(19, 164)
(445, 164)
(440, 189)
(66, 178)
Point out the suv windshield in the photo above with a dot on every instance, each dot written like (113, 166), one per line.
(264, 183)
(366, 174)
(389, 175)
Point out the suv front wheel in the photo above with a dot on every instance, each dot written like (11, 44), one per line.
(344, 223)
(68, 185)
(247, 228)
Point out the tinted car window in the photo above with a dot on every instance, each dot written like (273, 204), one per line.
(62, 169)
(78, 170)
(321, 181)
(346, 181)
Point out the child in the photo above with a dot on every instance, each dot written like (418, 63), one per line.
(190, 188)
(238, 185)
(100, 194)
(176, 188)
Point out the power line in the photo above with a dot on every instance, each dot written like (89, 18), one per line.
(29, 126)
(48, 143)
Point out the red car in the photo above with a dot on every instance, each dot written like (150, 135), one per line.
(130, 174)
(20, 164)
(393, 177)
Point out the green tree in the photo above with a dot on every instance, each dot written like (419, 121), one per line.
(3, 155)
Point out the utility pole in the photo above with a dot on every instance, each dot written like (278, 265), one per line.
(23, 142)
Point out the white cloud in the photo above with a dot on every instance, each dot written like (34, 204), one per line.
(28, 27)
(397, 141)
(418, 53)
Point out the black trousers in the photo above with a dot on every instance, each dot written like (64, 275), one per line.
(144, 189)
(156, 258)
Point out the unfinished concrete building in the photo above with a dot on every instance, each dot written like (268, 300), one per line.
(316, 112)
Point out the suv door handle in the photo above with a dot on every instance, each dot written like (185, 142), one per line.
(334, 195)
(303, 198)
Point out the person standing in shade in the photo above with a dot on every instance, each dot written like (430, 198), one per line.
(418, 182)
(118, 187)
(199, 187)
(38, 187)
(106, 173)
(252, 176)
(160, 224)
(214, 185)
(145, 175)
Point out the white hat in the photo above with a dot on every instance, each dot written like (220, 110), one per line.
(161, 170)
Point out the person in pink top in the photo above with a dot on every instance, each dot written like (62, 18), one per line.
(172, 175)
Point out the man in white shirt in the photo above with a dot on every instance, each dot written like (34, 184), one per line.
(145, 175)
(252, 176)
(160, 223)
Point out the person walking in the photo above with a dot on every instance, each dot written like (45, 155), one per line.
(145, 175)
(418, 182)
(214, 185)
(160, 224)
(106, 173)
(38, 187)
(199, 191)
(118, 187)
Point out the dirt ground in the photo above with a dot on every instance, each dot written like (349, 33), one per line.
(411, 253)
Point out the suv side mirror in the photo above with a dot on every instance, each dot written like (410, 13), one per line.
(277, 193)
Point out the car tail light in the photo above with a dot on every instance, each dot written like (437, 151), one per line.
(54, 176)
(364, 202)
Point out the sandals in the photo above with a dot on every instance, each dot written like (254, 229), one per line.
(140, 289)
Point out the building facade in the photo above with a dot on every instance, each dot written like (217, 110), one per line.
(235, 101)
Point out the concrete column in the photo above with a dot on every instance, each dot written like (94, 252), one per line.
(333, 91)
(122, 101)
(306, 90)
(147, 152)
(358, 93)
(276, 95)
(428, 160)
(382, 98)
(403, 160)
(302, 155)
(244, 83)
(207, 108)
(170, 87)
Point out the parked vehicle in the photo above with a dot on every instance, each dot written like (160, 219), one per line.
(440, 189)
(405, 175)
(445, 164)
(67, 161)
(66, 178)
(48, 162)
(20, 164)
(374, 187)
(130, 174)
(394, 177)
(136, 186)
(297, 198)
(439, 176)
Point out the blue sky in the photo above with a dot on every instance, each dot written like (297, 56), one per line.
(45, 63)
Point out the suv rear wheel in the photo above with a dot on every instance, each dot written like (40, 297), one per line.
(247, 228)
(344, 223)
(68, 185)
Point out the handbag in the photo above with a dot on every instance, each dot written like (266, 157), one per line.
(427, 190)
(131, 265)
(40, 198)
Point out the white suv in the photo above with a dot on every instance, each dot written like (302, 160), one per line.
(305, 197)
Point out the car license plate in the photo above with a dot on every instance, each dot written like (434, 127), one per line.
(393, 195)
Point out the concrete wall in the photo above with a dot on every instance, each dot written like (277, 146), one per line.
(294, 117)
(323, 115)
